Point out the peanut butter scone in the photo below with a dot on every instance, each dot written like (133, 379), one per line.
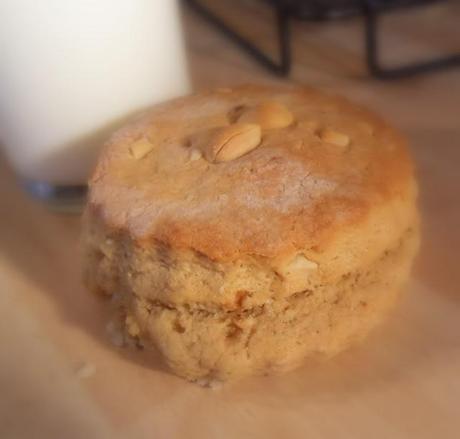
(243, 230)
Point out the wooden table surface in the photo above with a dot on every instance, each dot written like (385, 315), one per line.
(404, 382)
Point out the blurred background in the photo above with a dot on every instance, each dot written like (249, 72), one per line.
(71, 72)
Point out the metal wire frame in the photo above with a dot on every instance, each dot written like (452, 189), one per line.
(371, 11)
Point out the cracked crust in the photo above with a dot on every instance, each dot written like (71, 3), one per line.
(311, 190)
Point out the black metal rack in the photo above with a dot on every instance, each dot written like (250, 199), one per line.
(321, 10)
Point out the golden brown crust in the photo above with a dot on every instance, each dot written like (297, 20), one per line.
(296, 190)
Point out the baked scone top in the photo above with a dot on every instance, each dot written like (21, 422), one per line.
(253, 170)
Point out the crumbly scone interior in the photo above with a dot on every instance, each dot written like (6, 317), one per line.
(209, 341)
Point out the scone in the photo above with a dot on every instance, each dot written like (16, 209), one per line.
(245, 229)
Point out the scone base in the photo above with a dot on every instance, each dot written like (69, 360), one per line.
(208, 345)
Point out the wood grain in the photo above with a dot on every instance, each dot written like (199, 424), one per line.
(401, 383)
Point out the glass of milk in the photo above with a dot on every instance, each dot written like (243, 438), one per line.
(71, 71)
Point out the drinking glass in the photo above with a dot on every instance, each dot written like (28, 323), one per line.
(73, 70)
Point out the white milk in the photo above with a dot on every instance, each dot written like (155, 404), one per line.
(72, 70)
